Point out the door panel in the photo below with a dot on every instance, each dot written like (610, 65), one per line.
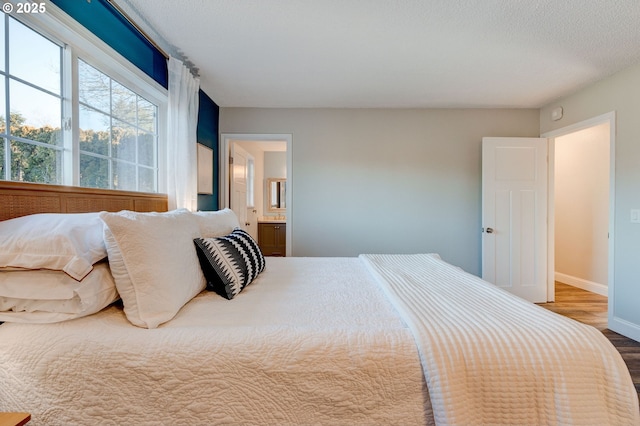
(514, 210)
(239, 184)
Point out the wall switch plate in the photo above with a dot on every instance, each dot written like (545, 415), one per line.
(635, 216)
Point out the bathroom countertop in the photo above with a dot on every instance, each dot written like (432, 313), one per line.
(271, 220)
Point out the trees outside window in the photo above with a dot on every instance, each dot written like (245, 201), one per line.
(31, 94)
(111, 132)
(118, 136)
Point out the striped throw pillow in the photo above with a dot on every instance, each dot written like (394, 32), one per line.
(229, 263)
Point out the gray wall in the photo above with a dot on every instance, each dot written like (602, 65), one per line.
(619, 93)
(386, 180)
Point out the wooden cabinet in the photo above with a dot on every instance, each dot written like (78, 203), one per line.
(272, 238)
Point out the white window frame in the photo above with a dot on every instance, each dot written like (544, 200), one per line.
(80, 43)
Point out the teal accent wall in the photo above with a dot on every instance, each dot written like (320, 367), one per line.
(103, 20)
(208, 116)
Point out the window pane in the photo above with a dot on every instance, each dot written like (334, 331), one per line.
(124, 176)
(147, 179)
(146, 115)
(124, 103)
(35, 115)
(94, 87)
(32, 163)
(123, 141)
(94, 131)
(34, 58)
(2, 44)
(94, 171)
(146, 149)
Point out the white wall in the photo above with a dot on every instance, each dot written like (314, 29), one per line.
(385, 180)
(619, 93)
(582, 208)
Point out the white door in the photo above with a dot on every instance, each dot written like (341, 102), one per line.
(238, 184)
(514, 215)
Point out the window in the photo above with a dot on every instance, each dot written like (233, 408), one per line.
(117, 134)
(31, 93)
(78, 115)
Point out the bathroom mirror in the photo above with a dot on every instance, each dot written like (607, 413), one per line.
(277, 194)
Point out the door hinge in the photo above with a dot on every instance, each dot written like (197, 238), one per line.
(230, 160)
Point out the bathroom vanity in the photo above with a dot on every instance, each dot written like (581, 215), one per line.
(272, 237)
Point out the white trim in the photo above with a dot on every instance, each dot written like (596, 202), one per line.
(591, 286)
(226, 139)
(623, 326)
(551, 223)
(610, 118)
(70, 108)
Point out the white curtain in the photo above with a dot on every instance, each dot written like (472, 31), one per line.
(182, 164)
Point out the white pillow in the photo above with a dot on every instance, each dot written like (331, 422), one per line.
(69, 242)
(52, 296)
(215, 224)
(154, 263)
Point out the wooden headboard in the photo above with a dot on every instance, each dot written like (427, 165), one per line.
(20, 199)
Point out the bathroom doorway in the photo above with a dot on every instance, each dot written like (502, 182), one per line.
(265, 157)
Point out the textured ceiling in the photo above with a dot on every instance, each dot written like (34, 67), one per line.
(394, 53)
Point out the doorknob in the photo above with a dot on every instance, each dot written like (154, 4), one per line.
(489, 230)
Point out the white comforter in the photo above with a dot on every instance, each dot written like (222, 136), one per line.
(311, 341)
(316, 341)
(491, 358)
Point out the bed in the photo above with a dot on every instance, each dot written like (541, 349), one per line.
(374, 339)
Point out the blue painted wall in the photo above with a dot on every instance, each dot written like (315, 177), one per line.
(208, 115)
(103, 20)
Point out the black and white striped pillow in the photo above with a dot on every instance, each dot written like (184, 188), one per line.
(229, 263)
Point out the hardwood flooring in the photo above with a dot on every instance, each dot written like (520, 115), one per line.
(591, 308)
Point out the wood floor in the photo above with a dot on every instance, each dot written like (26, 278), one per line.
(591, 308)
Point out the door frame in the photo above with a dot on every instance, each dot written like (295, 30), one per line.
(226, 139)
(610, 118)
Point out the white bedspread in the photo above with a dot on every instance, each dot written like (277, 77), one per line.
(311, 341)
(491, 358)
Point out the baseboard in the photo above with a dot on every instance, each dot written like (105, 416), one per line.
(624, 327)
(591, 286)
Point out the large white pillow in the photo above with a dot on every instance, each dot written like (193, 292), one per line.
(217, 223)
(154, 263)
(69, 242)
(51, 296)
